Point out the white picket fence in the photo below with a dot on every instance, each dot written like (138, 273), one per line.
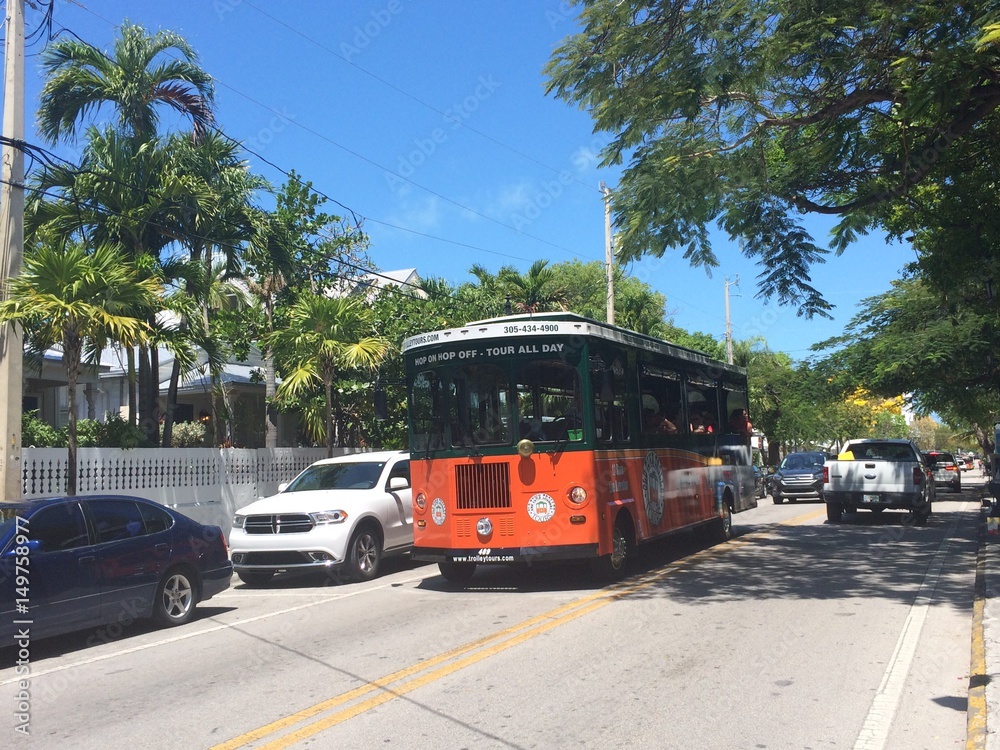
(206, 484)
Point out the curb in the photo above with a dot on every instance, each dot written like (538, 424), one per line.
(976, 718)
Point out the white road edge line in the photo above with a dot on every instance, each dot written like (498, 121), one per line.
(875, 729)
(223, 626)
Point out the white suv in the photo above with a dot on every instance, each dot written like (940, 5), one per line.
(342, 513)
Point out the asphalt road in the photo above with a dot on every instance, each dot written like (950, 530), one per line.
(797, 634)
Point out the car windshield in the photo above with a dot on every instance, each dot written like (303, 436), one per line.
(361, 475)
(881, 452)
(8, 515)
(804, 461)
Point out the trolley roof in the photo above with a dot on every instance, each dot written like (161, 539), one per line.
(558, 324)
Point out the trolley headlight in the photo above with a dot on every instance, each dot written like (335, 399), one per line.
(578, 495)
(420, 502)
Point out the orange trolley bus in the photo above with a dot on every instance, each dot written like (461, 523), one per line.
(556, 437)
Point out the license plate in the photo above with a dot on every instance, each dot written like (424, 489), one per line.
(871, 499)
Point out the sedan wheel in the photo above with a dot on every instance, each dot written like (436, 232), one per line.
(175, 599)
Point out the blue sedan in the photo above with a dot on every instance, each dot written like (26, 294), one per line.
(71, 563)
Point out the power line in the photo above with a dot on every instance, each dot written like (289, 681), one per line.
(329, 140)
(50, 159)
(413, 98)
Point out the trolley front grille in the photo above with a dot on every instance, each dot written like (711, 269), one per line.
(482, 486)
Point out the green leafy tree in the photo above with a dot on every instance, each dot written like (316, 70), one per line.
(535, 290)
(939, 349)
(81, 302)
(749, 115)
(324, 336)
(398, 313)
(294, 250)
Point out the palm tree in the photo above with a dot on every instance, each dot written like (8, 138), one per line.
(325, 334)
(216, 217)
(267, 267)
(536, 290)
(121, 195)
(141, 74)
(82, 302)
(191, 330)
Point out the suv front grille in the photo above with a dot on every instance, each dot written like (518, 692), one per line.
(283, 523)
(482, 486)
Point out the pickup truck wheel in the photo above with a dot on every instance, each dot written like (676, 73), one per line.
(777, 498)
(920, 516)
(834, 512)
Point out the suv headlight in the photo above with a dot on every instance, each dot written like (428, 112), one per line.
(239, 521)
(328, 516)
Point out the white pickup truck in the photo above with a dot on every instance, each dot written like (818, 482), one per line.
(875, 475)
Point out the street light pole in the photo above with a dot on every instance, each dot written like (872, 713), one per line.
(729, 324)
(609, 254)
(11, 248)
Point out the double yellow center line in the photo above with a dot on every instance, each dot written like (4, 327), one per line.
(406, 680)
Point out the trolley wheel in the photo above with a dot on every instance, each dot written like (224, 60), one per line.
(611, 567)
(724, 525)
(457, 572)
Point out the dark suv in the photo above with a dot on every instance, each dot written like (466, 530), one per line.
(800, 476)
(947, 472)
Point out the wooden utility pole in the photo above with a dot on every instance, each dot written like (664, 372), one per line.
(11, 247)
(609, 254)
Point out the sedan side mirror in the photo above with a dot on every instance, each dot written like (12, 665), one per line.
(33, 545)
(398, 483)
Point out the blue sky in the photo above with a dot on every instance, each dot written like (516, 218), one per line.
(430, 121)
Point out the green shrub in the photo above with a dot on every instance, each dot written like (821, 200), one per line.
(88, 433)
(116, 432)
(189, 435)
(39, 434)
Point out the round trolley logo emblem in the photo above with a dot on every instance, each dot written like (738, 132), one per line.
(652, 488)
(438, 511)
(541, 507)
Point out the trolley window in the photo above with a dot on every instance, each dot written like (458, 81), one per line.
(549, 401)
